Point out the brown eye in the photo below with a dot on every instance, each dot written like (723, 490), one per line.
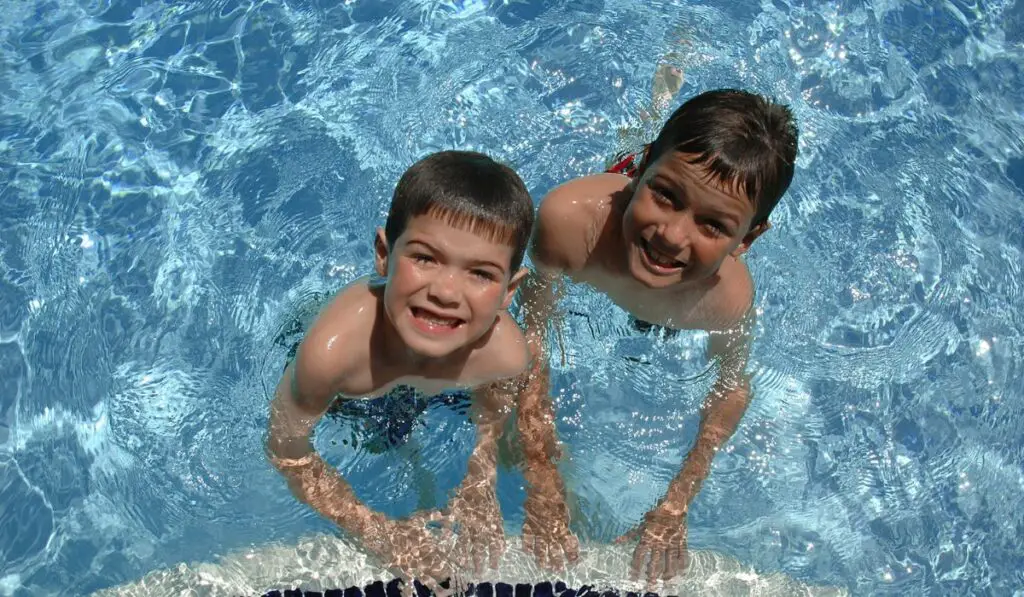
(716, 227)
(661, 195)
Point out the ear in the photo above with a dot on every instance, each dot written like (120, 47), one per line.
(380, 253)
(750, 237)
(513, 286)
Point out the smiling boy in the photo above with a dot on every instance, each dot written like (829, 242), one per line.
(662, 234)
(450, 255)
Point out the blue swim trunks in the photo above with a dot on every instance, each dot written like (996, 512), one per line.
(381, 423)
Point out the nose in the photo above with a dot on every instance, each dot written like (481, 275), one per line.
(443, 290)
(677, 236)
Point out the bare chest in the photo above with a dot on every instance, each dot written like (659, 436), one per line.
(365, 386)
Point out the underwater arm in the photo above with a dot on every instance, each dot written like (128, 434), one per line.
(721, 413)
(294, 412)
(474, 509)
(662, 533)
(546, 532)
(535, 418)
(407, 547)
(490, 408)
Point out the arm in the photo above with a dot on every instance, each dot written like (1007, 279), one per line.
(720, 415)
(546, 532)
(560, 243)
(536, 414)
(490, 408)
(474, 509)
(308, 386)
(300, 400)
(556, 247)
(662, 534)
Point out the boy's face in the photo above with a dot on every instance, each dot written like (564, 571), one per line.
(445, 285)
(680, 224)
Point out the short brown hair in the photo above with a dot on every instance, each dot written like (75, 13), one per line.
(741, 138)
(469, 190)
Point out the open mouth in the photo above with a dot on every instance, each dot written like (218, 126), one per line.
(434, 321)
(658, 261)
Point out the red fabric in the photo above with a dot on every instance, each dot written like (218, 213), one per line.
(626, 166)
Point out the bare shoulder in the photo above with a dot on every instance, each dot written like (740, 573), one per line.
(730, 301)
(337, 344)
(569, 218)
(505, 355)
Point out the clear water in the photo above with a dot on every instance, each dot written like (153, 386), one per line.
(177, 178)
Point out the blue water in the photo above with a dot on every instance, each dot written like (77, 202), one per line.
(178, 178)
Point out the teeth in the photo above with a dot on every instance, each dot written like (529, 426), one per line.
(437, 320)
(660, 258)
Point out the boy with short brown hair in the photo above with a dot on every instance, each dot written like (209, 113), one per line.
(661, 233)
(449, 255)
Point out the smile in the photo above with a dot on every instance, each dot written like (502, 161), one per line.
(430, 321)
(657, 261)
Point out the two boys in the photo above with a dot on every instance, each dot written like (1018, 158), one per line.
(664, 244)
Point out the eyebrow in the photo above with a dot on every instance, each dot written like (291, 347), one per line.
(422, 243)
(484, 262)
(474, 263)
(683, 182)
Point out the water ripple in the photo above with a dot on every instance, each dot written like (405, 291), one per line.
(178, 179)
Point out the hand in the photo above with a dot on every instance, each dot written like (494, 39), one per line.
(662, 544)
(410, 550)
(474, 514)
(546, 533)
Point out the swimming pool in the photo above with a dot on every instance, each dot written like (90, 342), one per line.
(179, 178)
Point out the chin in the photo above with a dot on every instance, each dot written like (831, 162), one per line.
(430, 350)
(655, 282)
(648, 279)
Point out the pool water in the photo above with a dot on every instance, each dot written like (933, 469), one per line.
(179, 179)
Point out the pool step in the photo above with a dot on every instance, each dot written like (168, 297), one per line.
(393, 589)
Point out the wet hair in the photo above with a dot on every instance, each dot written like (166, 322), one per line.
(468, 190)
(741, 138)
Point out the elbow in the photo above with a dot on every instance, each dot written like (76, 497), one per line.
(271, 448)
(287, 456)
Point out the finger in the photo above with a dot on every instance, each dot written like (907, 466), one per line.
(497, 550)
(543, 554)
(440, 591)
(470, 552)
(652, 585)
(478, 549)
(655, 568)
(572, 548)
(528, 540)
(639, 557)
(408, 588)
(403, 576)
(433, 576)
(673, 563)
(556, 556)
(430, 584)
